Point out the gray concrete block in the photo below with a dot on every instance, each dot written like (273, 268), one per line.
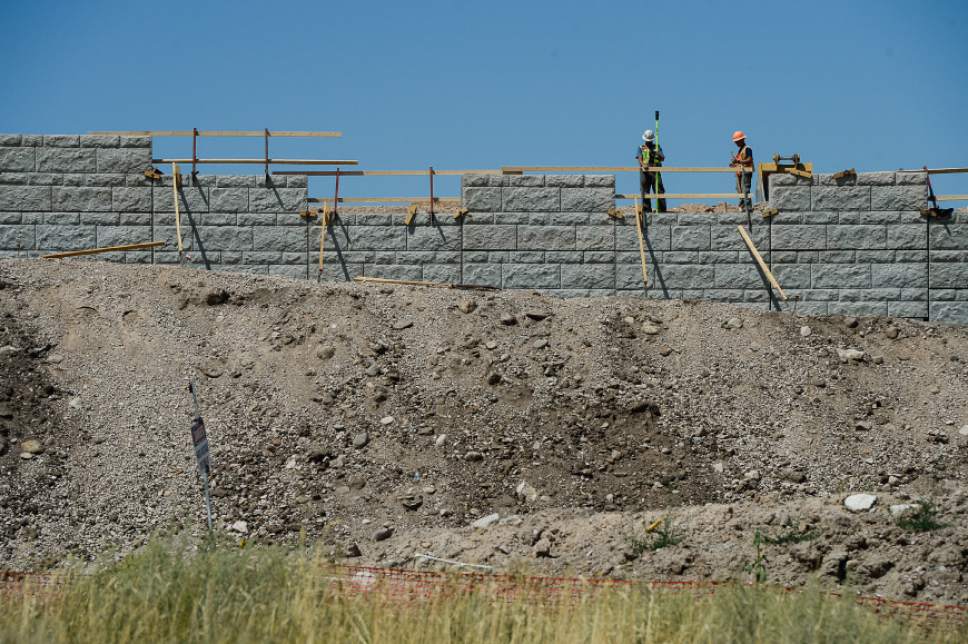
(899, 198)
(724, 257)
(598, 276)
(260, 257)
(563, 257)
(598, 257)
(97, 218)
(228, 181)
(860, 309)
(874, 257)
(61, 140)
(869, 294)
(841, 276)
(10, 218)
(587, 199)
(911, 178)
(190, 198)
(31, 218)
(870, 217)
(791, 198)
(661, 219)
(907, 309)
(949, 312)
(14, 178)
(531, 275)
(792, 276)
(66, 237)
(600, 181)
(134, 218)
(875, 178)
(942, 237)
(842, 237)
(949, 275)
(297, 182)
(17, 159)
(63, 218)
(835, 256)
(739, 276)
(525, 257)
(842, 198)
(442, 273)
(229, 199)
(233, 238)
(691, 237)
(32, 140)
(700, 219)
(49, 179)
(531, 199)
(413, 257)
(89, 199)
(913, 294)
(375, 219)
(376, 238)
(525, 180)
(594, 237)
(688, 276)
(788, 218)
(821, 217)
(482, 199)
(785, 180)
(495, 237)
(8, 140)
(434, 238)
(276, 199)
(219, 219)
(680, 257)
(17, 237)
(279, 239)
(546, 238)
(910, 256)
(568, 219)
(482, 274)
(810, 308)
(66, 160)
(98, 141)
(256, 219)
(727, 237)
(131, 199)
(723, 295)
(481, 181)
(120, 235)
(629, 277)
(949, 256)
(804, 237)
(393, 271)
(564, 180)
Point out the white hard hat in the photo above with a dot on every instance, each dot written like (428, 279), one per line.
(648, 136)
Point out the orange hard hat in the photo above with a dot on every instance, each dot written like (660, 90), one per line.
(738, 135)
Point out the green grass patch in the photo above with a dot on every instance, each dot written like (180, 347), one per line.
(166, 593)
(924, 519)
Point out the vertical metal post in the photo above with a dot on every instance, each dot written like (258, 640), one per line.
(194, 155)
(266, 137)
(431, 193)
(336, 194)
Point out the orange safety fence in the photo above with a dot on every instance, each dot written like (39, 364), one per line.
(398, 584)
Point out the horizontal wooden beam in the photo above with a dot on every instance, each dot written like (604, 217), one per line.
(260, 161)
(683, 195)
(223, 133)
(520, 168)
(939, 170)
(105, 249)
(385, 173)
(952, 197)
(383, 199)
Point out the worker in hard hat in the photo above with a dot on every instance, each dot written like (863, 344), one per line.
(743, 162)
(650, 155)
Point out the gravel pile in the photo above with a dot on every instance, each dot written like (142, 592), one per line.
(505, 429)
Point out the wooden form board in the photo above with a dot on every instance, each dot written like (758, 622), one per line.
(698, 195)
(385, 173)
(220, 133)
(518, 169)
(262, 161)
(410, 200)
(639, 216)
(759, 260)
(104, 249)
(952, 197)
(938, 170)
(175, 178)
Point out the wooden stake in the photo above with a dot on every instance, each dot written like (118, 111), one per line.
(411, 213)
(383, 280)
(105, 249)
(639, 214)
(323, 227)
(175, 180)
(759, 260)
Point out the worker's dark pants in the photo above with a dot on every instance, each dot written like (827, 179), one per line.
(744, 183)
(649, 182)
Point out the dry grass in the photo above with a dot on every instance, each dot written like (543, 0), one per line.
(260, 594)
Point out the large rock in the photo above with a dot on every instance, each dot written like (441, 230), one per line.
(860, 502)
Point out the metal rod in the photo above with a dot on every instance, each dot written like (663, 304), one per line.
(267, 152)
(194, 153)
(431, 191)
(218, 133)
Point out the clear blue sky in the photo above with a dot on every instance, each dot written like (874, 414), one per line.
(871, 85)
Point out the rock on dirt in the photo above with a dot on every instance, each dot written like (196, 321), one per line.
(860, 502)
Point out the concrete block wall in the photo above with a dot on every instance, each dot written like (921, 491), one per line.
(68, 192)
(858, 247)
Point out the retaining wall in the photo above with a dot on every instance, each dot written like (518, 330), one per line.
(860, 247)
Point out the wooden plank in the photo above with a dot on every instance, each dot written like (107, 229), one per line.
(698, 195)
(323, 228)
(262, 161)
(759, 260)
(520, 169)
(222, 133)
(939, 170)
(104, 249)
(951, 197)
(639, 214)
(175, 177)
(383, 173)
(383, 280)
(410, 200)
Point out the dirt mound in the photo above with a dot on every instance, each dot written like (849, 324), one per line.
(392, 422)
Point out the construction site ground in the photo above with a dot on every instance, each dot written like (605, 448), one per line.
(506, 429)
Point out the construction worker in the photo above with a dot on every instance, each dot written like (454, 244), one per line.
(743, 162)
(650, 155)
